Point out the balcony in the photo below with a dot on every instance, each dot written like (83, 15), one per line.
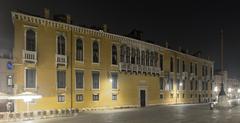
(184, 75)
(122, 66)
(29, 56)
(134, 67)
(61, 59)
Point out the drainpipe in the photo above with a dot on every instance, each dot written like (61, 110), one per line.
(71, 56)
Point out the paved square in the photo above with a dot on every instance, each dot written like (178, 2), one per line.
(155, 114)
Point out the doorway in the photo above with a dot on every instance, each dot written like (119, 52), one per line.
(142, 98)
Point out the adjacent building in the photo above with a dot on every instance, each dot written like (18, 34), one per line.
(231, 85)
(77, 67)
(6, 77)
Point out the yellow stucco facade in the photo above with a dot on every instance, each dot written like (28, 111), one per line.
(129, 81)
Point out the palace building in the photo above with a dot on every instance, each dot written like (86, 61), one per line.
(78, 67)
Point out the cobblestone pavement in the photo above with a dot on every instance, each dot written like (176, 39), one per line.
(155, 114)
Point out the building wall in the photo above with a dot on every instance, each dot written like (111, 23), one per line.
(129, 83)
(5, 72)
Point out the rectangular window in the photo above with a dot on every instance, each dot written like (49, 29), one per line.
(79, 79)
(95, 79)
(114, 96)
(178, 84)
(202, 70)
(114, 77)
(206, 85)
(191, 68)
(202, 85)
(61, 79)
(191, 85)
(79, 50)
(196, 69)
(171, 84)
(30, 78)
(161, 62)
(171, 95)
(161, 79)
(196, 84)
(183, 84)
(177, 95)
(61, 98)
(183, 66)
(206, 70)
(79, 97)
(178, 66)
(191, 96)
(171, 64)
(161, 96)
(183, 95)
(95, 97)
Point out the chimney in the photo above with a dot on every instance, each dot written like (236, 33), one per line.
(180, 49)
(104, 27)
(46, 13)
(166, 44)
(68, 17)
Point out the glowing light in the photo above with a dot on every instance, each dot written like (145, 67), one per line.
(229, 90)
(180, 84)
(216, 89)
(238, 90)
(110, 80)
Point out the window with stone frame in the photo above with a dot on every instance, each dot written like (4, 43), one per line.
(95, 52)
(114, 54)
(61, 45)
(79, 49)
(30, 40)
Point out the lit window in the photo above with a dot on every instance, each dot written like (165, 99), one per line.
(79, 50)
(114, 77)
(95, 97)
(61, 79)
(79, 97)
(61, 98)
(30, 40)
(30, 78)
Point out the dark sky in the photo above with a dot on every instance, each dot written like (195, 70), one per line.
(189, 24)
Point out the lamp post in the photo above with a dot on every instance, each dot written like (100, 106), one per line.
(178, 88)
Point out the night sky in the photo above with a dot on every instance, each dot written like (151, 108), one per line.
(191, 25)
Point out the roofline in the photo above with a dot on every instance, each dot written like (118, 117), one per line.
(116, 35)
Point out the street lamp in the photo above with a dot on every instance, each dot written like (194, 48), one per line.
(180, 85)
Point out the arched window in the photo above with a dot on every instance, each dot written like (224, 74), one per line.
(151, 58)
(133, 56)
(114, 54)
(147, 58)
(30, 40)
(128, 55)
(61, 45)
(79, 50)
(138, 56)
(155, 59)
(95, 52)
(123, 53)
(142, 57)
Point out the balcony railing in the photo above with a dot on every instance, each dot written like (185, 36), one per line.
(140, 68)
(61, 59)
(29, 56)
